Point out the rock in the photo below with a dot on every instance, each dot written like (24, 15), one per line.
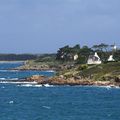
(37, 78)
(71, 81)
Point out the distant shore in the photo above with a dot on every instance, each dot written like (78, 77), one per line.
(11, 61)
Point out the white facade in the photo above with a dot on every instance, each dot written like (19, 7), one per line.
(94, 59)
(111, 58)
(75, 57)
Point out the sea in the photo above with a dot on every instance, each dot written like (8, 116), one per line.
(36, 102)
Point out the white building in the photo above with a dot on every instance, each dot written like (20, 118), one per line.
(94, 59)
(110, 59)
(115, 47)
(75, 57)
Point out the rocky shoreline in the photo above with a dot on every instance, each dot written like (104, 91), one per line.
(72, 82)
(42, 80)
(34, 68)
(98, 75)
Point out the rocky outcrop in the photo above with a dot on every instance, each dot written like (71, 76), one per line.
(70, 81)
(37, 78)
(34, 67)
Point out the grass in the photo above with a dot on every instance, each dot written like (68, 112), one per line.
(100, 72)
(69, 69)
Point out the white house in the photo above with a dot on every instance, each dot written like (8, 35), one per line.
(94, 59)
(75, 57)
(110, 59)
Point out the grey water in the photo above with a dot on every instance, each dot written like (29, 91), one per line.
(24, 102)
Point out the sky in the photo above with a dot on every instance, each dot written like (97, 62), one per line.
(43, 26)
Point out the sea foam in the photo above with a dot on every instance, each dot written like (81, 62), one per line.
(47, 107)
(35, 85)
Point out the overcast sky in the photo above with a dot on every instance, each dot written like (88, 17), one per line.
(41, 26)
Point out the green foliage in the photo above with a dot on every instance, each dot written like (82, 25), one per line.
(46, 58)
(101, 47)
(82, 67)
(67, 53)
(81, 60)
(100, 72)
(117, 55)
(104, 55)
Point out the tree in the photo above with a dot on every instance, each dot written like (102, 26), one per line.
(101, 47)
(95, 47)
(84, 53)
(62, 53)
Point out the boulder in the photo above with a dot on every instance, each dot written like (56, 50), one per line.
(37, 78)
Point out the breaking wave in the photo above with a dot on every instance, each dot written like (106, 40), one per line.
(9, 78)
(35, 85)
(19, 82)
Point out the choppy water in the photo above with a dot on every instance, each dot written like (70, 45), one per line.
(6, 74)
(26, 102)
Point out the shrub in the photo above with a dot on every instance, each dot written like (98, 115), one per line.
(83, 67)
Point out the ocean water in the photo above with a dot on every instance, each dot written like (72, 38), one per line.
(7, 74)
(34, 102)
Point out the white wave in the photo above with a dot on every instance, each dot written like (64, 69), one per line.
(9, 70)
(109, 87)
(2, 78)
(37, 86)
(11, 82)
(30, 85)
(50, 71)
(47, 85)
(9, 78)
(27, 85)
(47, 107)
(11, 102)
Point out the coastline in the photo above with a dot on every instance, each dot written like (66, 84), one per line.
(73, 77)
(56, 81)
(82, 83)
(12, 61)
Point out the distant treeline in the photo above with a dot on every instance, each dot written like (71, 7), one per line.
(17, 57)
